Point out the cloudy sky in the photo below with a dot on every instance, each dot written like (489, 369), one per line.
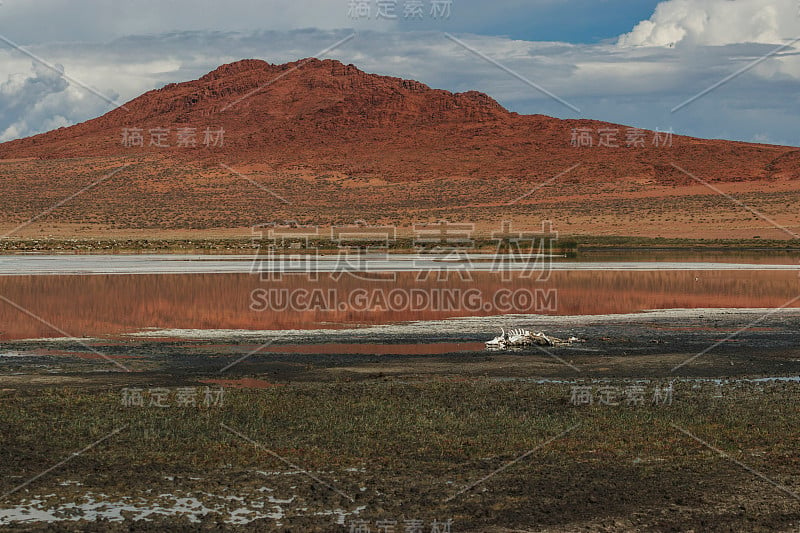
(709, 68)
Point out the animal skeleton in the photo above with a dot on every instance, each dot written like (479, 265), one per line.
(522, 337)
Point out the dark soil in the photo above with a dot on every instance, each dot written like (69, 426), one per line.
(493, 441)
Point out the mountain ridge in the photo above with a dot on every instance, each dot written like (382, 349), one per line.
(335, 117)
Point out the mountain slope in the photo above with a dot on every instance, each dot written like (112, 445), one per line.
(331, 116)
(321, 142)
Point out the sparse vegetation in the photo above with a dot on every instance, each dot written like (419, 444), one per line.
(403, 449)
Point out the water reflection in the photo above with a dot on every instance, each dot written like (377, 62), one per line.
(753, 257)
(115, 304)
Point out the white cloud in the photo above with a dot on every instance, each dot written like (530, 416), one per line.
(717, 22)
(23, 97)
(29, 21)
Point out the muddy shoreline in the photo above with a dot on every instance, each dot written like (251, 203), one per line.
(316, 433)
(660, 344)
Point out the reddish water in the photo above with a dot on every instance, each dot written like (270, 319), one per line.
(379, 349)
(110, 305)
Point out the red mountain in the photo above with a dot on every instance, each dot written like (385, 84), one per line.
(332, 116)
(327, 119)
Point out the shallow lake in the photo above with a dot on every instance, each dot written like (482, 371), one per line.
(35, 302)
